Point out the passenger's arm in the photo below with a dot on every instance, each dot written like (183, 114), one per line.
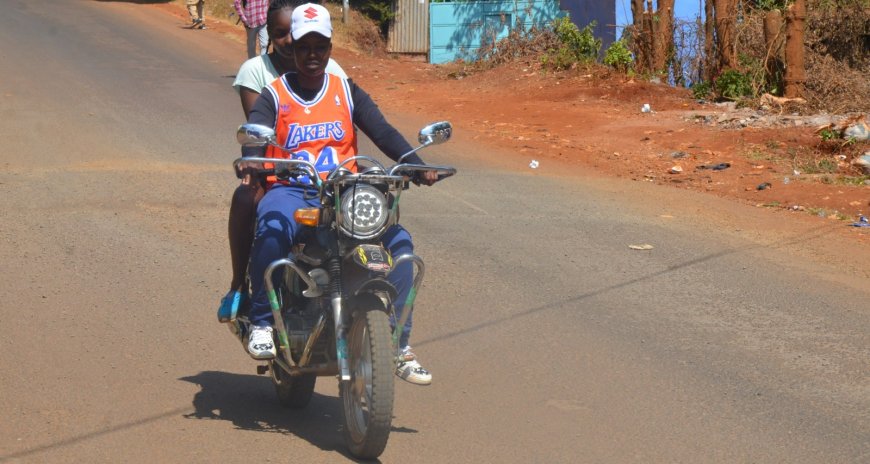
(248, 98)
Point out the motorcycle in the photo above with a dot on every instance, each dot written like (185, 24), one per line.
(333, 306)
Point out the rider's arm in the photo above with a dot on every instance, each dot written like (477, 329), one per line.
(368, 117)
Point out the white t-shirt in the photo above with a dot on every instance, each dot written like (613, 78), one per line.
(259, 72)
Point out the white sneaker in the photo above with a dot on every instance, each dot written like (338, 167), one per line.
(260, 343)
(410, 370)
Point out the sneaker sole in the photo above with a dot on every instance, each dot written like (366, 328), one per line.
(407, 377)
(261, 356)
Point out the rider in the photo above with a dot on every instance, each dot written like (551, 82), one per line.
(254, 75)
(314, 114)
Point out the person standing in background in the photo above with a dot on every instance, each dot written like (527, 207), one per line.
(194, 8)
(252, 13)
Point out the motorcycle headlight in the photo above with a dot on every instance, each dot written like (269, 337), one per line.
(364, 211)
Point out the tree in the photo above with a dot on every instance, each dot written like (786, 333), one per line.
(725, 25)
(795, 74)
(653, 34)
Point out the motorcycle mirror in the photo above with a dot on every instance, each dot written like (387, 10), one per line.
(254, 135)
(435, 133)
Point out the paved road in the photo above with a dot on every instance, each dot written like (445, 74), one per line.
(550, 340)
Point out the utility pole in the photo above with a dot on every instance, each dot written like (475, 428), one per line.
(345, 11)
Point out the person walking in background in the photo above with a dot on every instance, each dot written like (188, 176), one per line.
(252, 13)
(194, 8)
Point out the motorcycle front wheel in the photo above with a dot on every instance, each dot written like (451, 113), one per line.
(293, 392)
(368, 396)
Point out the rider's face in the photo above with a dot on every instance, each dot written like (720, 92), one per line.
(312, 54)
(279, 32)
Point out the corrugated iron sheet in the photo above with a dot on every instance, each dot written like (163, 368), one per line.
(458, 29)
(409, 31)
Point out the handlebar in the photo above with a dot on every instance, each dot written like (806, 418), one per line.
(261, 165)
(414, 170)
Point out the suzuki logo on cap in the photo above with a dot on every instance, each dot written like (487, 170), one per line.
(311, 13)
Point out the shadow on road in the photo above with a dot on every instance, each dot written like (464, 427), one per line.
(250, 403)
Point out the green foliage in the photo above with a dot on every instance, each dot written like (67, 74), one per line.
(380, 11)
(701, 90)
(618, 56)
(734, 85)
(768, 5)
(576, 46)
(828, 134)
(850, 180)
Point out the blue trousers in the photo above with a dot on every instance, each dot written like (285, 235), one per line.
(276, 233)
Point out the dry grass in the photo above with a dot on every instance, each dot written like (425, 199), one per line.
(836, 65)
(360, 34)
(221, 9)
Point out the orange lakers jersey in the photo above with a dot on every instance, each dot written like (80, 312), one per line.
(319, 131)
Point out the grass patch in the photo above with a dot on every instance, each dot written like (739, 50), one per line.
(820, 212)
(817, 166)
(758, 155)
(858, 181)
(220, 9)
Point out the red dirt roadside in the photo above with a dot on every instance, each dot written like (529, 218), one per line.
(594, 123)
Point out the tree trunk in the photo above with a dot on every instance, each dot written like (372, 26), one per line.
(664, 35)
(638, 35)
(710, 68)
(795, 74)
(726, 18)
(653, 34)
(773, 41)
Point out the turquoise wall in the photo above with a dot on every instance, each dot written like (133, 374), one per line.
(457, 29)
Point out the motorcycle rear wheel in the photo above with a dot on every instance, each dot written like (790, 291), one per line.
(368, 397)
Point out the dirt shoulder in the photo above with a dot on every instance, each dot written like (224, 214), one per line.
(591, 122)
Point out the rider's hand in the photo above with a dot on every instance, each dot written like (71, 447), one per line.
(246, 171)
(426, 177)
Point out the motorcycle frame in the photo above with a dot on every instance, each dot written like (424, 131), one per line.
(314, 291)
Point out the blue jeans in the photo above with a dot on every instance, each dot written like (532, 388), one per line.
(276, 233)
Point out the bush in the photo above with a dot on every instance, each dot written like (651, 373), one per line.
(577, 46)
(837, 63)
(520, 44)
(701, 90)
(618, 56)
(733, 85)
(380, 11)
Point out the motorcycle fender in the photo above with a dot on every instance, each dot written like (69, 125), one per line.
(372, 258)
(375, 285)
(365, 269)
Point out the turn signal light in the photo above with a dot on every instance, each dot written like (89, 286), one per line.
(307, 216)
